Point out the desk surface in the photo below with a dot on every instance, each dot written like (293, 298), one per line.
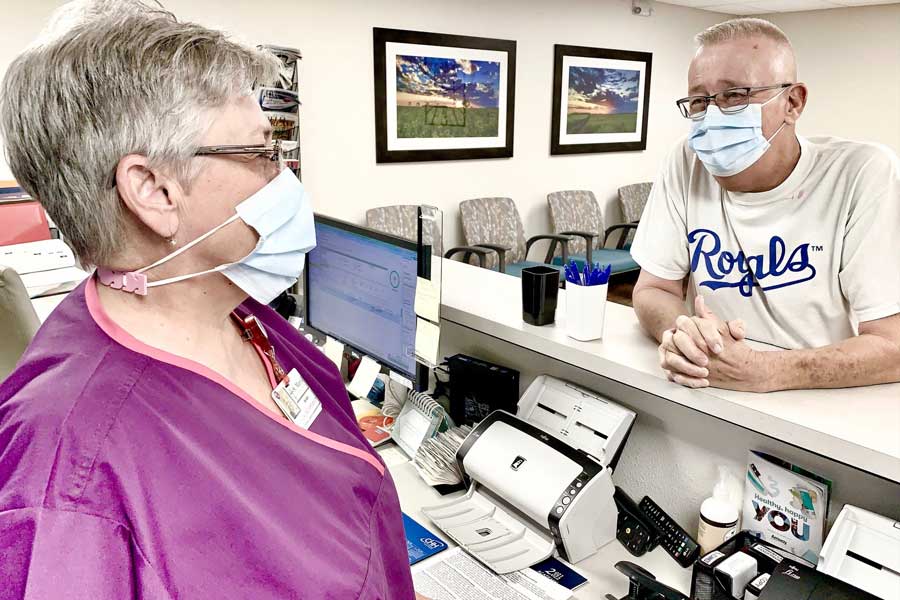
(603, 578)
(856, 426)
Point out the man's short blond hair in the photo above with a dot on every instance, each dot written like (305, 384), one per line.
(742, 28)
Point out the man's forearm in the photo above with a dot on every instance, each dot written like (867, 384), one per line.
(862, 360)
(657, 310)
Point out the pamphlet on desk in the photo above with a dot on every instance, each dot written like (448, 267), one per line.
(420, 543)
(560, 572)
(786, 505)
(375, 426)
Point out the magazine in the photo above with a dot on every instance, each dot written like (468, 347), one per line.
(786, 505)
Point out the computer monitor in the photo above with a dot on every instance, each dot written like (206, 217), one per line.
(360, 290)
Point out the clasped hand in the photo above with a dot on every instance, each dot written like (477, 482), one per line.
(704, 350)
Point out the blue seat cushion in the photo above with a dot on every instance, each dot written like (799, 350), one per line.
(620, 260)
(515, 269)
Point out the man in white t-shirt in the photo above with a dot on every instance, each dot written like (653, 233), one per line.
(790, 241)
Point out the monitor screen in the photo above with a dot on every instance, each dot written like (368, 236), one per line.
(360, 290)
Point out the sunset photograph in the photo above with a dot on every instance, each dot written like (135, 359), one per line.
(446, 97)
(602, 100)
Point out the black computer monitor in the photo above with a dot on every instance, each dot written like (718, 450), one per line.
(360, 290)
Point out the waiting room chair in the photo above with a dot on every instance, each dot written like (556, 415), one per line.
(18, 320)
(495, 224)
(577, 213)
(632, 200)
(401, 220)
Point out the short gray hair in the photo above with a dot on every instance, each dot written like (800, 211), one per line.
(106, 79)
(741, 28)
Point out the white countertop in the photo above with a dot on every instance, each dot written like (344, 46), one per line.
(603, 578)
(856, 426)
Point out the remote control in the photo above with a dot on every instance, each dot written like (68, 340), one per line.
(672, 537)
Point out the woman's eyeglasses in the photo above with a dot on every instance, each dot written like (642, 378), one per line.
(276, 151)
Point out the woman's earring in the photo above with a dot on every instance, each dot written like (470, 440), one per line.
(172, 241)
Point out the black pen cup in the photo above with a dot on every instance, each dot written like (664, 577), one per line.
(540, 288)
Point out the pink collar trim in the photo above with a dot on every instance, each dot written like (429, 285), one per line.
(127, 340)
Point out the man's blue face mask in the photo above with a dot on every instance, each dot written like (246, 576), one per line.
(728, 144)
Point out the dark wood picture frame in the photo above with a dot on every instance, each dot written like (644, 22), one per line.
(381, 37)
(559, 95)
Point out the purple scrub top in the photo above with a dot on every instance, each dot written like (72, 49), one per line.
(129, 472)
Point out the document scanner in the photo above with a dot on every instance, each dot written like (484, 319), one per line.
(863, 549)
(539, 480)
(46, 267)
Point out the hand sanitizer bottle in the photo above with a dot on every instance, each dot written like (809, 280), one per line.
(718, 516)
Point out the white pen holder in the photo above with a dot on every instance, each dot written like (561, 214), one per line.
(585, 309)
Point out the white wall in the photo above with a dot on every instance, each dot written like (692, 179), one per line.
(850, 59)
(848, 56)
(338, 131)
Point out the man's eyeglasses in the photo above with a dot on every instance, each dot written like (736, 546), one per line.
(730, 101)
(276, 151)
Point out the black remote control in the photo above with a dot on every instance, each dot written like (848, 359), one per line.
(672, 537)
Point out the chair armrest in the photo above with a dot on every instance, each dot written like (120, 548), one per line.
(481, 253)
(625, 227)
(588, 241)
(563, 240)
(501, 254)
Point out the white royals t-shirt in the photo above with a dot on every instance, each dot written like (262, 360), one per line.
(803, 263)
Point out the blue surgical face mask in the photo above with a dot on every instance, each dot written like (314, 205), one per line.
(729, 144)
(282, 216)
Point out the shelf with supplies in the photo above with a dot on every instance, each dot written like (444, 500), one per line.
(819, 421)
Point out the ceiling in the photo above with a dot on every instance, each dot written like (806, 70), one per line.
(761, 7)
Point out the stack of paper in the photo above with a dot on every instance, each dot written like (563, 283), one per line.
(436, 459)
(454, 575)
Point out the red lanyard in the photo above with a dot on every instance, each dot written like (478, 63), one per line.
(253, 333)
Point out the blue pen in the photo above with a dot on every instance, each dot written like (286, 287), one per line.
(575, 277)
(603, 278)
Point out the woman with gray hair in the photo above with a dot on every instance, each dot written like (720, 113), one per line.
(167, 434)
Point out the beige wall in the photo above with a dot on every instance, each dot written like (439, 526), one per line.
(850, 59)
(845, 54)
(338, 132)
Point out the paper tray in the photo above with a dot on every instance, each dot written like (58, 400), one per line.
(863, 549)
(495, 537)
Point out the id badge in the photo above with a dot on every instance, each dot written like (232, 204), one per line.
(296, 400)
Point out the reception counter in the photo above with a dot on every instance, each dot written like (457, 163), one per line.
(859, 427)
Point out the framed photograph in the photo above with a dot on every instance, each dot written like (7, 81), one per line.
(442, 97)
(601, 100)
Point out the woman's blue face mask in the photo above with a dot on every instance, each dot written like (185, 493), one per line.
(281, 214)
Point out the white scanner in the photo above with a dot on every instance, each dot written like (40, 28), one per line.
(539, 481)
(863, 549)
(46, 267)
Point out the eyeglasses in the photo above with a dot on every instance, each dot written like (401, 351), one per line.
(276, 151)
(730, 101)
